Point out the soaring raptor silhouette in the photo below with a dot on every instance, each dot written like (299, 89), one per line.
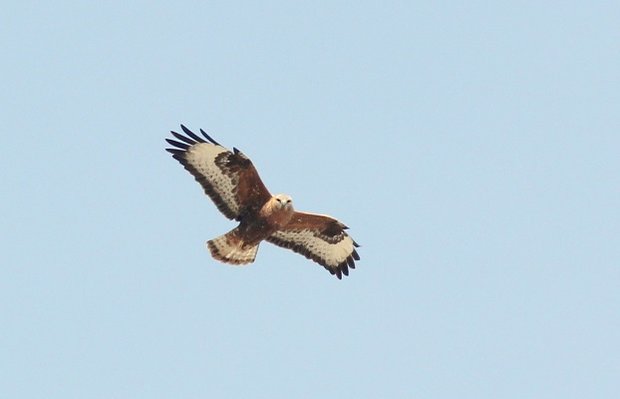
(231, 181)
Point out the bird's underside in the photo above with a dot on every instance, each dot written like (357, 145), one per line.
(230, 179)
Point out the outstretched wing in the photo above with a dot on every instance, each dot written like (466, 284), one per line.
(320, 238)
(229, 178)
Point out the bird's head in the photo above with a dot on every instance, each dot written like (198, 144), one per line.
(283, 201)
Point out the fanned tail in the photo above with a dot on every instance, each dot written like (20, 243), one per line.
(230, 248)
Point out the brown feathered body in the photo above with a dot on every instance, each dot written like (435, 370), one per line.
(239, 245)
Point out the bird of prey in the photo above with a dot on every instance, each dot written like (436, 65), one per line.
(231, 181)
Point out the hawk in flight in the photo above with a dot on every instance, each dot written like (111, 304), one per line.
(231, 181)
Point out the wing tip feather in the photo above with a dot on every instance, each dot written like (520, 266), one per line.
(192, 134)
(184, 139)
(338, 273)
(209, 137)
(175, 151)
(177, 144)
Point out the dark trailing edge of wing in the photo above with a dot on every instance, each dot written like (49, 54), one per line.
(340, 270)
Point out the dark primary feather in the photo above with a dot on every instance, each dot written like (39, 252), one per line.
(192, 135)
(177, 144)
(183, 138)
(209, 137)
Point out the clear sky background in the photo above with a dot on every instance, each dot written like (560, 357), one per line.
(472, 147)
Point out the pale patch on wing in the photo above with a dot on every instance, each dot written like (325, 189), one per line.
(337, 254)
(203, 158)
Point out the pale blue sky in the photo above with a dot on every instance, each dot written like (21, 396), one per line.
(473, 148)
